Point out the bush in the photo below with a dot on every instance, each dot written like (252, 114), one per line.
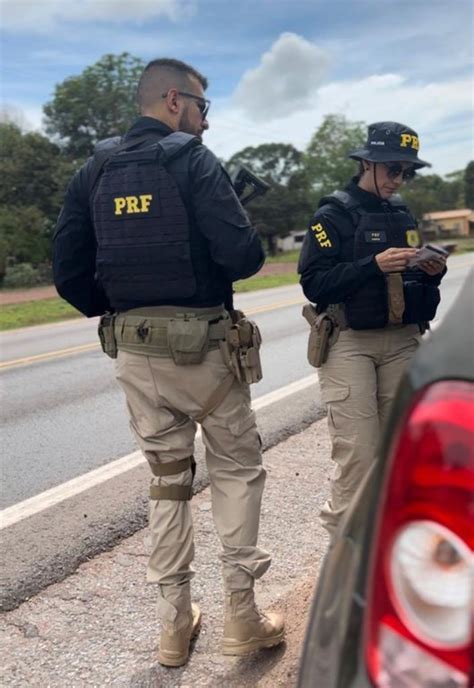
(21, 275)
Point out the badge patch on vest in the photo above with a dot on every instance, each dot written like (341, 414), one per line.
(413, 238)
(375, 237)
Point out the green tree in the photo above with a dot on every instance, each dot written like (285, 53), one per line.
(469, 185)
(430, 192)
(25, 235)
(34, 176)
(96, 104)
(327, 164)
(287, 205)
(29, 170)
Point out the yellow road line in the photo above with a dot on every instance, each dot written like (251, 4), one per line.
(95, 345)
(49, 354)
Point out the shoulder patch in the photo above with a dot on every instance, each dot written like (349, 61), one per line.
(321, 235)
(325, 237)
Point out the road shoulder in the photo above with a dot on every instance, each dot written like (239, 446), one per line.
(98, 626)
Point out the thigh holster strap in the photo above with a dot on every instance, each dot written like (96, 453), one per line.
(178, 493)
(173, 467)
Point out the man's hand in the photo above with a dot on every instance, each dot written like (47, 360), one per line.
(433, 267)
(394, 259)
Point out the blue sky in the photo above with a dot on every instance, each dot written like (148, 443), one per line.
(275, 67)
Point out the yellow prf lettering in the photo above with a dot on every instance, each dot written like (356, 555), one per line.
(321, 236)
(119, 205)
(145, 200)
(132, 205)
(135, 204)
(409, 139)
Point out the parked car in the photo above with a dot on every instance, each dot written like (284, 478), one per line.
(394, 606)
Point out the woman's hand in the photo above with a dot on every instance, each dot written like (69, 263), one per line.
(395, 259)
(433, 267)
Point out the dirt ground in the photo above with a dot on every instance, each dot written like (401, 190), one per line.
(49, 292)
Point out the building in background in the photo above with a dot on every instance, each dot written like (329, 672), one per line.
(291, 241)
(446, 223)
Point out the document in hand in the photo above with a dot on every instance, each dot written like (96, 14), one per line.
(428, 252)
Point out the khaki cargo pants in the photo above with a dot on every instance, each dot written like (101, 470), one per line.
(358, 384)
(162, 400)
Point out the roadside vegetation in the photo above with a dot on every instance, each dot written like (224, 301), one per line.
(43, 311)
(38, 312)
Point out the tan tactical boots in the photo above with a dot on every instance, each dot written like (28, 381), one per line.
(176, 637)
(246, 629)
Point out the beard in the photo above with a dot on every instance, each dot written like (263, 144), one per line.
(188, 127)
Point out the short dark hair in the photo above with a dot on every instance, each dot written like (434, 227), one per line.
(162, 74)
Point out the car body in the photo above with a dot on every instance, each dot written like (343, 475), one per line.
(394, 601)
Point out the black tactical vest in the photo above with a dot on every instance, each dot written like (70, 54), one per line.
(142, 226)
(367, 308)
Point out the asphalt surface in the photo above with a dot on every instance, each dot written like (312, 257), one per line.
(98, 627)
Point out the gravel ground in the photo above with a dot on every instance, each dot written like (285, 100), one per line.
(98, 627)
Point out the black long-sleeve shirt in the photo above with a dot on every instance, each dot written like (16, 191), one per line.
(217, 220)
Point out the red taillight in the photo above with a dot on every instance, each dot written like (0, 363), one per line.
(419, 622)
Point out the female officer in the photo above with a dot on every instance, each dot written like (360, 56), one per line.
(356, 264)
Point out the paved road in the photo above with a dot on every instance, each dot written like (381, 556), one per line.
(63, 413)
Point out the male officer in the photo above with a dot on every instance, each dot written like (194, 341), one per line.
(356, 265)
(153, 231)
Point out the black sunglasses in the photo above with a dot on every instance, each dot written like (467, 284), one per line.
(395, 170)
(203, 103)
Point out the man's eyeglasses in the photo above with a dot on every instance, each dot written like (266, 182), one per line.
(395, 170)
(203, 103)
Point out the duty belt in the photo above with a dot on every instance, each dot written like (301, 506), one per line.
(146, 330)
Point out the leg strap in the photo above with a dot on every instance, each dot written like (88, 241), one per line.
(179, 493)
(216, 398)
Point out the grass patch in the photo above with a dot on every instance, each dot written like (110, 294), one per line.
(266, 282)
(43, 311)
(463, 244)
(37, 312)
(286, 257)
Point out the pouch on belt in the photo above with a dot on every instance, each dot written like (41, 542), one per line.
(107, 334)
(241, 349)
(188, 340)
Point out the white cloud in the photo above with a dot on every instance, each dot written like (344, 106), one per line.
(27, 117)
(285, 80)
(429, 109)
(44, 15)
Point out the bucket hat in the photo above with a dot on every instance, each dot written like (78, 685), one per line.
(390, 142)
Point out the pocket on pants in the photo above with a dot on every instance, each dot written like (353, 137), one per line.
(237, 436)
(333, 398)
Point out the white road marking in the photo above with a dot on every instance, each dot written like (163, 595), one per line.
(34, 505)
